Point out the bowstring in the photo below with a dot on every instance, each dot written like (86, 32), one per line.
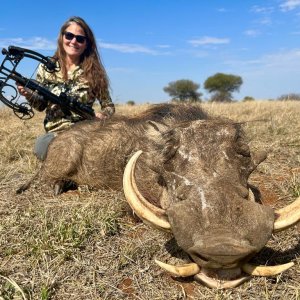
(25, 86)
(32, 75)
(17, 101)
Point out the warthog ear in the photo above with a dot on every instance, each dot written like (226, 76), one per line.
(155, 128)
(164, 139)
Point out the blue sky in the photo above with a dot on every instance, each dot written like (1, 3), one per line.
(145, 44)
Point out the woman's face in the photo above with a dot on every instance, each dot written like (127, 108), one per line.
(74, 41)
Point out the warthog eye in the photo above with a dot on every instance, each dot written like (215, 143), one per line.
(182, 191)
(241, 146)
(243, 149)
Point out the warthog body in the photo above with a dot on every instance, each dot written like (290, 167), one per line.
(193, 168)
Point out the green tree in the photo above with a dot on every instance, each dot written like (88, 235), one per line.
(183, 90)
(248, 98)
(290, 96)
(130, 102)
(222, 86)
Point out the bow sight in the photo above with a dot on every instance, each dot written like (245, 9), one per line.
(9, 95)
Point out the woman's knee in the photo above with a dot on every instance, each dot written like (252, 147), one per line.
(41, 145)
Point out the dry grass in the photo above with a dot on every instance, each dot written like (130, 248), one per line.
(87, 245)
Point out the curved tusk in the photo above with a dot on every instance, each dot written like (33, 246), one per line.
(158, 211)
(145, 210)
(180, 271)
(266, 270)
(251, 196)
(220, 284)
(287, 216)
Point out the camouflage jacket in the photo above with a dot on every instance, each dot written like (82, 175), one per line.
(76, 87)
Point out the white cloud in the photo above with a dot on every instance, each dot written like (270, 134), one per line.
(287, 58)
(128, 48)
(163, 46)
(290, 5)
(222, 10)
(252, 32)
(262, 9)
(264, 12)
(265, 21)
(39, 43)
(206, 40)
(35, 43)
(281, 61)
(269, 75)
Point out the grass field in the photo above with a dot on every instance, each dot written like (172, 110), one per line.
(87, 245)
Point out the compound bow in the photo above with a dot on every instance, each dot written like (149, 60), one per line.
(23, 110)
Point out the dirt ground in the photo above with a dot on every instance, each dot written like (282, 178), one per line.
(87, 244)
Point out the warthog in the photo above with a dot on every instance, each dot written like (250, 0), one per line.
(184, 172)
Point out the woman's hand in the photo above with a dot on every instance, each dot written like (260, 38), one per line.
(27, 93)
(100, 115)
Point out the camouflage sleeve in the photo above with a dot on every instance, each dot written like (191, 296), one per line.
(107, 106)
(40, 74)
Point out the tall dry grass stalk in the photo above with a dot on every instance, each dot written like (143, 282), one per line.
(87, 245)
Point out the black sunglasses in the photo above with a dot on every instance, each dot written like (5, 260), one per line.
(79, 38)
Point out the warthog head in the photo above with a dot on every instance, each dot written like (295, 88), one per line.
(203, 170)
(184, 172)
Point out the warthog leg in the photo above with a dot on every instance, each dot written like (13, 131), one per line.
(27, 184)
(63, 186)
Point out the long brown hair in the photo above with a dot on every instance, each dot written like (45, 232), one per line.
(90, 62)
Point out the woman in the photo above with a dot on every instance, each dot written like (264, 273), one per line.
(81, 75)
